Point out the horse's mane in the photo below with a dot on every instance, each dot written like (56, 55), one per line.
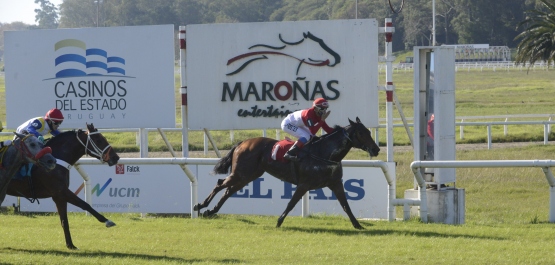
(317, 139)
(62, 137)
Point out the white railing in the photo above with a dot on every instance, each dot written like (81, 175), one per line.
(467, 66)
(544, 164)
(488, 124)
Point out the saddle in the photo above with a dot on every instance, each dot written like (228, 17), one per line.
(281, 147)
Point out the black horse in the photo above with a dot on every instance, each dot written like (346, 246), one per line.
(320, 167)
(68, 147)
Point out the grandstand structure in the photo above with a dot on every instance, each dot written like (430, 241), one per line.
(481, 53)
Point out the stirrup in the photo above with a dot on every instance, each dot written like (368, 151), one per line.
(291, 158)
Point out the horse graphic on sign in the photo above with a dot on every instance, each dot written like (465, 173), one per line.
(246, 59)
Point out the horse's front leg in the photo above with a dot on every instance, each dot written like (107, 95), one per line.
(301, 190)
(337, 188)
(61, 205)
(75, 200)
(4, 183)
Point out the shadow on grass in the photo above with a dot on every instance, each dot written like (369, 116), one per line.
(381, 232)
(116, 255)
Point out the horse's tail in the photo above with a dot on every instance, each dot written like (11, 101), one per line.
(223, 166)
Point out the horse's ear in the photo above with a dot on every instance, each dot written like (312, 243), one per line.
(19, 135)
(351, 122)
(358, 120)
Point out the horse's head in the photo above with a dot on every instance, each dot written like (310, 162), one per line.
(97, 146)
(361, 138)
(33, 151)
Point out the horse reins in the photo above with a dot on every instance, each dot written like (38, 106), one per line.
(97, 151)
(363, 148)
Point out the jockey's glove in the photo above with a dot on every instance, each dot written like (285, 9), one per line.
(326, 114)
(5, 143)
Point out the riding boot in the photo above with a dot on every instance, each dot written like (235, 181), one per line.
(293, 152)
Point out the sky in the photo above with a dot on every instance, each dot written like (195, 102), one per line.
(20, 10)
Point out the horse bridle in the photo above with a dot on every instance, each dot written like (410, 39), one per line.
(24, 150)
(361, 146)
(102, 154)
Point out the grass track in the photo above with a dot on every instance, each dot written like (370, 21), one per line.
(506, 223)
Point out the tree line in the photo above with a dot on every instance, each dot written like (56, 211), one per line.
(490, 22)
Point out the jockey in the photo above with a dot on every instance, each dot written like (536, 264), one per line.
(40, 126)
(304, 124)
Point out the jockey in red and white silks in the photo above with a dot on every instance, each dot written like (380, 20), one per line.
(304, 124)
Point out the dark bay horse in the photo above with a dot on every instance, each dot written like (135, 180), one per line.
(25, 149)
(68, 147)
(321, 167)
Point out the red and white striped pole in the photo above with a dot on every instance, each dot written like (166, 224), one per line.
(183, 90)
(389, 29)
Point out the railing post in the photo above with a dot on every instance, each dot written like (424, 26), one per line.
(545, 134)
(462, 130)
(489, 136)
(506, 127)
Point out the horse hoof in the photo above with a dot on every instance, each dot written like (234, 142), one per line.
(72, 247)
(208, 213)
(110, 223)
(196, 207)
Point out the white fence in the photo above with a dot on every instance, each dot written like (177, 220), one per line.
(544, 164)
(546, 124)
(479, 66)
(488, 124)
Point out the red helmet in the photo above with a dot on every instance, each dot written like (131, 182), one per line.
(54, 114)
(321, 103)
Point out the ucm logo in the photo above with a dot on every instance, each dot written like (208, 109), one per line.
(96, 188)
(114, 192)
(99, 190)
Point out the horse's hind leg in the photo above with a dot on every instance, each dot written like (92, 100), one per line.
(70, 197)
(222, 184)
(339, 192)
(61, 205)
(301, 190)
(228, 192)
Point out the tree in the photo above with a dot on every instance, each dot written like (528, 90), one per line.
(538, 39)
(47, 15)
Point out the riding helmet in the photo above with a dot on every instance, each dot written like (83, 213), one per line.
(54, 114)
(321, 103)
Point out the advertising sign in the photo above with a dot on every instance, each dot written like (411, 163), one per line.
(166, 189)
(116, 77)
(252, 75)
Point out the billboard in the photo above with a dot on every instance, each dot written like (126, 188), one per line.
(166, 189)
(252, 75)
(116, 77)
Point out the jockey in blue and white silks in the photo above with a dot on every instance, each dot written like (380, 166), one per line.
(40, 126)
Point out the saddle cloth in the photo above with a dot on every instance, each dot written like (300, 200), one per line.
(280, 148)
